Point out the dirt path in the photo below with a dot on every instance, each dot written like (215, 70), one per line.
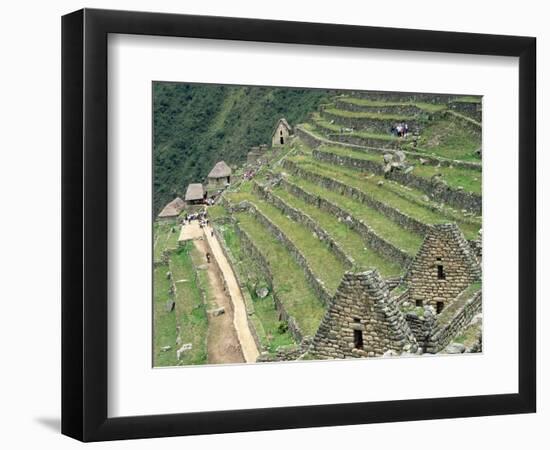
(223, 343)
(240, 321)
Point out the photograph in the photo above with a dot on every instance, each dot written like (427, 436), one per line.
(306, 224)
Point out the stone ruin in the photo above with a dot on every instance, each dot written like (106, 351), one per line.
(361, 321)
(257, 154)
(364, 320)
(396, 160)
(444, 266)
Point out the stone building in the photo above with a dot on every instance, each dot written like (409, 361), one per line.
(281, 133)
(444, 266)
(195, 194)
(362, 321)
(172, 209)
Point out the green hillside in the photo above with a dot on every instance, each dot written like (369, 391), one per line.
(197, 125)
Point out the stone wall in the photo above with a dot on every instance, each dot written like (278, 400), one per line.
(470, 109)
(394, 144)
(307, 221)
(392, 213)
(403, 109)
(280, 131)
(315, 283)
(436, 189)
(242, 286)
(444, 250)
(379, 125)
(380, 146)
(262, 265)
(445, 332)
(377, 243)
(392, 96)
(361, 321)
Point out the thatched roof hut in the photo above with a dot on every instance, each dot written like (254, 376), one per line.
(220, 170)
(194, 192)
(172, 209)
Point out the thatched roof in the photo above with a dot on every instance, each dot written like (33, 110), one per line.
(283, 121)
(220, 170)
(173, 208)
(194, 192)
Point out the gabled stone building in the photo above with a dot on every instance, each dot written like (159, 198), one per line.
(281, 133)
(444, 266)
(362, 321)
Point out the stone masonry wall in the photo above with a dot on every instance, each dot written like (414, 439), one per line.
(404, 109)
(469, 109)
(378, 125)
(361, 304)
(262, 265)
(308, 222)
(315, 283)
(446, 332)
(392, 213)
(404, 96)
(380, 146)
(444, 246)
(379, 244)
(242, 286)
(435, 189)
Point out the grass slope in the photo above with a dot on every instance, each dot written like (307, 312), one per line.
(289, 282)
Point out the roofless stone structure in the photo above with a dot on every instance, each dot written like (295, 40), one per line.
(444, 266)
(362, 321)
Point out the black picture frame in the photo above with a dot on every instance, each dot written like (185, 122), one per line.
(84, 224)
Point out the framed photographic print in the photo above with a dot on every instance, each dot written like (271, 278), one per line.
(274, 224)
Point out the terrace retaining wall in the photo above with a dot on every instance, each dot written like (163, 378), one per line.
(379, 244)
(308, 222)
(445, 332)
(263, 266)
(392, 213)
(380, 146)
(242, 286)
(437, 190)
(379, 125)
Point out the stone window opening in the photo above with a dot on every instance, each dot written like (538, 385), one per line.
(282, 139)
(358, 339)
(439, 307)
(440, 272)
(419, 303)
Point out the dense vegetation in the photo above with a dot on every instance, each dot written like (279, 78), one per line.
(197, 125)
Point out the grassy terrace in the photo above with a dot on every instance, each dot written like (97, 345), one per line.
(164, 238)
(469, 179)
(450, 139)
(448, 313)
(322, 261)
(265, 317)
(351, 242)
(384, 227)
(289, 282)
(369, 115)
(390, 193)
(467, 99)
(428, 107)
(325, 126)
(190, 307)
(164, 322)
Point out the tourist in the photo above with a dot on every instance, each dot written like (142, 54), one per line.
(207, 257)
